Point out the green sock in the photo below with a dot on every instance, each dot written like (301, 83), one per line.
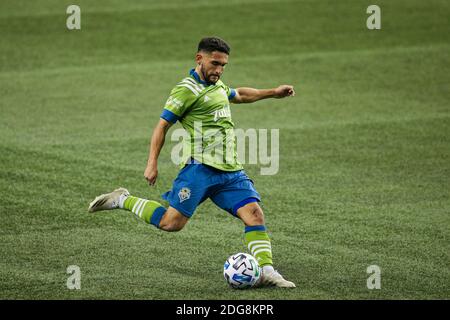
(148, 210)
(258, 242)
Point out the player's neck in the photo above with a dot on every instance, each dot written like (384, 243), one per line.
(200, 73)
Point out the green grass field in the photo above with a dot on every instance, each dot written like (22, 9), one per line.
(364, 147)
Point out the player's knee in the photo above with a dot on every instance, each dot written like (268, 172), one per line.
(257, 216)
(172, 222)
(171, 226)
(251, 214)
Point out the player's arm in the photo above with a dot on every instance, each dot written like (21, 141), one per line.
(248, 95)
(156, 144)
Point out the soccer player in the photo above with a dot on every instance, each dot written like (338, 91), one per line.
(200, 102)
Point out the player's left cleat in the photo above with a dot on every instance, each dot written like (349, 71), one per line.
(273, 278)
(108, 201)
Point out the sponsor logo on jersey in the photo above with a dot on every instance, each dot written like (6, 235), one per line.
(225, 112)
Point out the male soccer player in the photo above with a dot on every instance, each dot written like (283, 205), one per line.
(201, 103)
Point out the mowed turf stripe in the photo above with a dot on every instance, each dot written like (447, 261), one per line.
(150, 35)
(343, 55)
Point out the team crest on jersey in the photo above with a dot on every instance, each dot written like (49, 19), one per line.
(184, 194)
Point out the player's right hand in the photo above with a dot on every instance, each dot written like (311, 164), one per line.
(150, 174)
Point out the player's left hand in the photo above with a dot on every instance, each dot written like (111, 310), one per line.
(284, 91)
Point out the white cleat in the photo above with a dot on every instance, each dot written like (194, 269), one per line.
(108, 201)
(273, 278)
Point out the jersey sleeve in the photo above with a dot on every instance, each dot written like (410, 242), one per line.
(179, 101)
(231, 93)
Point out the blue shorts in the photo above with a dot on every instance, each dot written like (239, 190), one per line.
(197, 182)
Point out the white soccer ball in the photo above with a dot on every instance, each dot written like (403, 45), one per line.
(241, 271)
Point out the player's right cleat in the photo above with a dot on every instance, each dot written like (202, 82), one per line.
(273, 278)
(108, 201)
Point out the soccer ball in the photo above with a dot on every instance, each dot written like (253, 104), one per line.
(241, 271)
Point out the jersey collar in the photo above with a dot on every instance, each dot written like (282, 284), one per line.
(193, 73)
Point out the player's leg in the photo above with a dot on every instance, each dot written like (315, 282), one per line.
(150, 211)
(258, 242)
(188, 191)
(257, 239)
(154, 213)
(173, 220)
(238, 196)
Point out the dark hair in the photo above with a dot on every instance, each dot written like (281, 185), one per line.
(211, 44)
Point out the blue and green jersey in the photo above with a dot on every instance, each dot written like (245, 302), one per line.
(204, 112)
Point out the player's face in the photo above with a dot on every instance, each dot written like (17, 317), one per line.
(212, 65)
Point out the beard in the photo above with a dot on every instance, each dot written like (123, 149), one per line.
(209, 78)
